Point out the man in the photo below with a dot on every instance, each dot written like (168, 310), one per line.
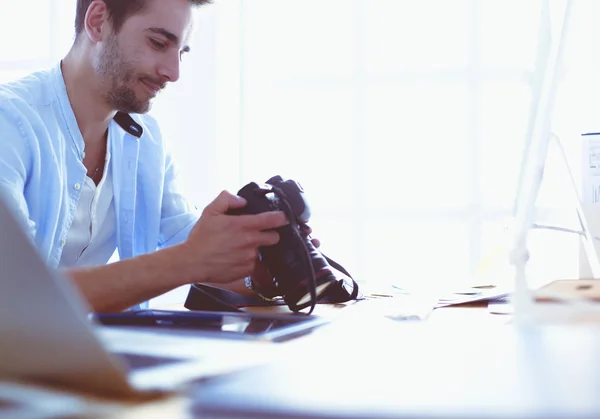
(87, 172)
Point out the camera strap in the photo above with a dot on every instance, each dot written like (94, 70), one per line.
(353, 294)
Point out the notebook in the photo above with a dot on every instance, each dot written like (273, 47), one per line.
(48, 338)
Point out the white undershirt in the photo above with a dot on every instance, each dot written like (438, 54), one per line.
(92, 239)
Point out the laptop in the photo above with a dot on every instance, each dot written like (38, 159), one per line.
(48, 338)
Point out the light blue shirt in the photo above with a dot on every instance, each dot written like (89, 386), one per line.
(41, 171)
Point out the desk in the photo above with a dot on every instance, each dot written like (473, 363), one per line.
(462, 362)
(434, 369)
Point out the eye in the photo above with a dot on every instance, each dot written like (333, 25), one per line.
(182, 52)
(157, 44)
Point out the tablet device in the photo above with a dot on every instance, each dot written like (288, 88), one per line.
(243, 325)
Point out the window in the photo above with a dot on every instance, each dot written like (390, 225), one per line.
(34, 41)
(404, 120)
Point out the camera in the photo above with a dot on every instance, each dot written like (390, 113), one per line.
(302, 275)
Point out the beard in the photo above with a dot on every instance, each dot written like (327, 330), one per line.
(119, 74)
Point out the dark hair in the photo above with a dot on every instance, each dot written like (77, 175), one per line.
(119, 11)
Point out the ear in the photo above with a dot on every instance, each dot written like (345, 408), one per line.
(97, 22)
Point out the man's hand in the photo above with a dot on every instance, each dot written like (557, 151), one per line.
(308, 231)
(222, 248)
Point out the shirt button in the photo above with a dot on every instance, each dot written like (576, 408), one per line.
(77, 186)
(63, 243)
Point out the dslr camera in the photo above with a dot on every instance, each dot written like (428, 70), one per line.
(302, 275)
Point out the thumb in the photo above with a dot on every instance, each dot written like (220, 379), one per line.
(224, 202)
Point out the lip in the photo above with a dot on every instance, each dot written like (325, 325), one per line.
(152, 88)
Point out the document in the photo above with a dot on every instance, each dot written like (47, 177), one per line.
(591, 168)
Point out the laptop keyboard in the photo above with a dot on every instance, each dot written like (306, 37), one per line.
(137, 361)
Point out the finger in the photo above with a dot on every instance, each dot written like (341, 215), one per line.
(267, 238)
(306, 229)
(316, 242)
(225, 202)
(264, 221)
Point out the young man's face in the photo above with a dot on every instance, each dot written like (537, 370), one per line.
(137, 62)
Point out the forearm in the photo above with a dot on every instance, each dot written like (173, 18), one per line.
(120, 285)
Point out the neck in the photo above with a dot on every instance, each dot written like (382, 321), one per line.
(86, 95)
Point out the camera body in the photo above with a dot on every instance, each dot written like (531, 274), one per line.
(301, 274)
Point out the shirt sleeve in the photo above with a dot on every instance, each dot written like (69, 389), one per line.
(178, 216)
(14, 163)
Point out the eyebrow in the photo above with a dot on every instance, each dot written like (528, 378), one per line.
(170, 36)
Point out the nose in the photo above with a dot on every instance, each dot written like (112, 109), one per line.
(169, 68)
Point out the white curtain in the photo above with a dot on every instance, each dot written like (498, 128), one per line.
(404, 120)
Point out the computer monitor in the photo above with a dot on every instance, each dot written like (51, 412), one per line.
(534, 160)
